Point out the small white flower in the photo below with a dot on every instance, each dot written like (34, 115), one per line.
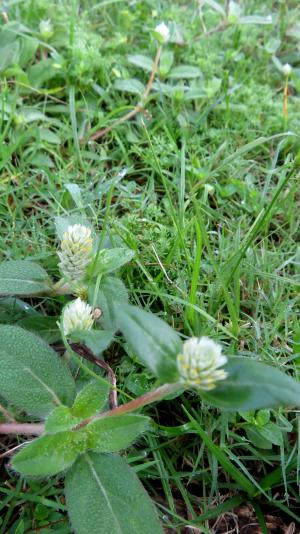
(162, 33)
(78, 315)
(287, 69)
(76, 251)
(199, 363)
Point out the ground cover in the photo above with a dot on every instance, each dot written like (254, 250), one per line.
(203, 184)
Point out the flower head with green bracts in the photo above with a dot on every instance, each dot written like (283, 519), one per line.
(162, 33)
(78, 315)
(199, 363)
(76, 252)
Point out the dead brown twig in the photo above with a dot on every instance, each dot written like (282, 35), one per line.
(86, 353)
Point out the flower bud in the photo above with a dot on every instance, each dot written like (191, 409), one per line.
(199, 363)
(78, 315)
(46, 29)
(287, 69)
(76, 252)
(162, 33)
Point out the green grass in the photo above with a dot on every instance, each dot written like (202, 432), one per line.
(205, 189)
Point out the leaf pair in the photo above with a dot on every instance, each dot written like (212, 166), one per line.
(53, 453)
(66, 438)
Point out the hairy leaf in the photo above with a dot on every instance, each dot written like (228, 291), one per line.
(32, 377)
(60, 419)
(104, 495)
(114, 433)
(91, 399)
(155, 342)
(252, 385)
(49, 454)
(23, 278)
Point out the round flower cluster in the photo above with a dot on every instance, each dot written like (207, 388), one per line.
(76, 252)
(199, 363)
(78, 315)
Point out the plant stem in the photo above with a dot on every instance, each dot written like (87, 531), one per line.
(28, 429)
(136, 404)
(36, 429)
(139, 107)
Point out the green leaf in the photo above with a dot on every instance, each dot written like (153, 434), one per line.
(252, 385)
(154, 341)
(91, 399)
(262, 417)
(166, 62)
(45, 327)
(130, 86)
(96, 340)
(144, 62)
(185, 71)
(254, 436)
(49, 454)
(272, 433)
(111, 291)
(23, 278)
(104, 495)
(61, 419)
(114, 433)
(32, 377)
(9, 54)
(111, 259)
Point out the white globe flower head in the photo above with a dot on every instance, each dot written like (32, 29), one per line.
(162, 33)
(287, 69)
(77, 315)
(76, 251)
(199, 363)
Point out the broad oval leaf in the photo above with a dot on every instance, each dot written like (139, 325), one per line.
(252, 385)
(105, 495)
(130, 86)
(49, 454)
(32, 377)
(144, 62)
(185, 71)
(154, 341)
(116, 432)
(91, 399)
(23, 278)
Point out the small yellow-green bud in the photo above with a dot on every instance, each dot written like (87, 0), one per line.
(76, 252)
(199, 363)
(46, 29)
(78, 315)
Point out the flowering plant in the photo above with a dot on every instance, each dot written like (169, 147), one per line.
(73, 408)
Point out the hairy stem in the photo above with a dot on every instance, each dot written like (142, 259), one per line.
(36, 429)
(136, 404)
(28, 429)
